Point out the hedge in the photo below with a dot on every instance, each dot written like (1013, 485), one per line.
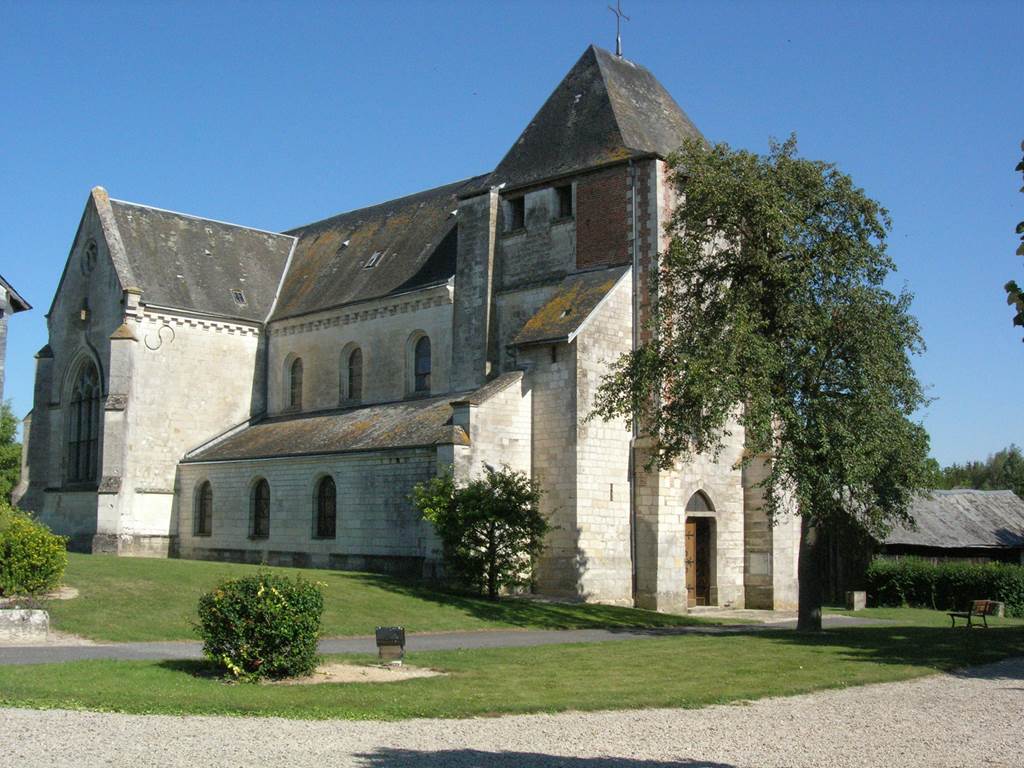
(262, 626)
(32, 558)
(949, 586)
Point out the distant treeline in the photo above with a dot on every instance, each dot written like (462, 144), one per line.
(1003, 470)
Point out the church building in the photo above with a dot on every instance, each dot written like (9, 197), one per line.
(214, 391)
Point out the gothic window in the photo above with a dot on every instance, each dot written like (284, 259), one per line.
(421, 357)
(699, 502)
(326, 508)
(204, 510)
(260, 528)
(355, 374)
(84, 426)
(295, 384)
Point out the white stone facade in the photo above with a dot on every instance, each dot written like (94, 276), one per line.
(526, 292)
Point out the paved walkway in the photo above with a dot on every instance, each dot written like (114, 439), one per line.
(974, 718)
(439, 641)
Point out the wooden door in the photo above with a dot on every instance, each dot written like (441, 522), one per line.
(691, 563)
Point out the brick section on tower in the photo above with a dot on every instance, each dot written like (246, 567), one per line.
(602, 218)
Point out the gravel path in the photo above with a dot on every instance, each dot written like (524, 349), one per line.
(975, 718)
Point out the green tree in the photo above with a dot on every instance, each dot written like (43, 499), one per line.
(1014, 294)
(491, 529)
(10, 452)
(1002, 470)
(770, 308)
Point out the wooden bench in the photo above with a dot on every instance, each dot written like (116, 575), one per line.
(980, 608)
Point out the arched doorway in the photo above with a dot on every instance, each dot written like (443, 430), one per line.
(700, 551)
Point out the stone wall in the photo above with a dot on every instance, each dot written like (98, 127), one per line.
(381, 329)
(85, 312)
(377, 526)
(602, 456)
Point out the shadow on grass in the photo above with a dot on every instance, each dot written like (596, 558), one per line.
(198, 668)
(524, 612)
(938, 648)
(472, 758)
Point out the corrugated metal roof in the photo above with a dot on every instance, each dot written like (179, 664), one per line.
(964, 518)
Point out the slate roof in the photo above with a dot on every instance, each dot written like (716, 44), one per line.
(606, 109)
(191, 263)
(575, 299)
(415, 238)
(17, 303)
(964, 518)
(403, 424)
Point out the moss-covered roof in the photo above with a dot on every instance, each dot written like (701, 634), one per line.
(573, 302)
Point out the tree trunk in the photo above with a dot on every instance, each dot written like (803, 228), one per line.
(809, 576)
(492, 565)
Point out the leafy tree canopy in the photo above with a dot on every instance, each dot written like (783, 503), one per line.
(771, 310)
(1003, 470)
(10, 452)
(1014, 294)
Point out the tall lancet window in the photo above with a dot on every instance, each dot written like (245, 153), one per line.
(355, 375)
(326, 508)
(295, 385)
(84, 426)
(422, 365)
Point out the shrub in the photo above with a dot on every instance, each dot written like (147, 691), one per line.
(262, 626)
(491, 529)
(945, 586)
(32, 558)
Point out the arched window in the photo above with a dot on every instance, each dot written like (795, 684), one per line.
(295, 384)
(355, 374)
(260, 528)
(421, 357)
(204, 510)
(699, 502)
(326, 508)
(84, 426)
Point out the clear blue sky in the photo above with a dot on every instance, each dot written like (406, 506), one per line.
(275, 115)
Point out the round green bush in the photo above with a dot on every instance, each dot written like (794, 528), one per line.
(262, 626)
(32, 558)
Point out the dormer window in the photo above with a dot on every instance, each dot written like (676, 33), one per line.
(515, 210)
(238, 296)
(374, 259)
(563, 197)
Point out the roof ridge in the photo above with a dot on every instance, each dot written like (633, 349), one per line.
(382, 203)
(201, 218)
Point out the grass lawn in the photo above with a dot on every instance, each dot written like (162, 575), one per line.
(128, 599)
(681, 671)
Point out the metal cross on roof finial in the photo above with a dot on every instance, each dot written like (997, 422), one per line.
(619, 16)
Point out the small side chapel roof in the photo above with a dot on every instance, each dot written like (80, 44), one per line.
(414, 423)
(187, 262)
(409, 423)
(606, 109)
(574, 300)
